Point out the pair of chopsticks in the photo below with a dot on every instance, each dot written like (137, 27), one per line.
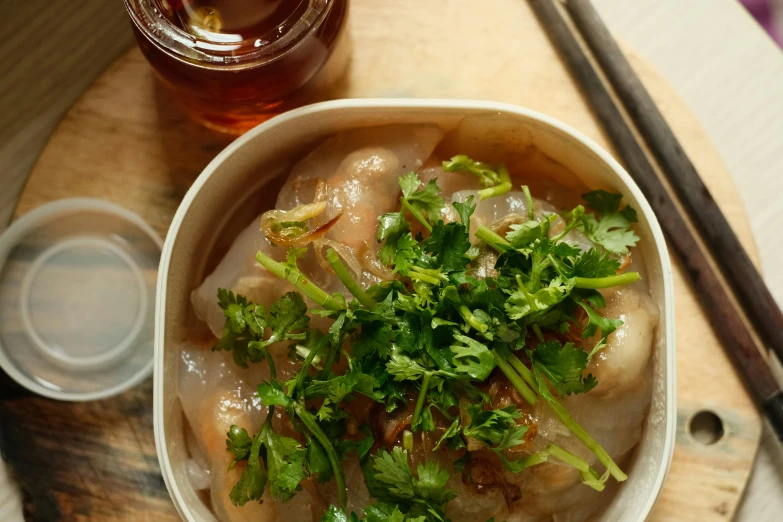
(749, 288)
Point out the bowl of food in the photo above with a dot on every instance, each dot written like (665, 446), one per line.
(414, 310)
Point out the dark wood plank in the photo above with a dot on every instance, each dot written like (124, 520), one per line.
(84, 461)
(50, 53)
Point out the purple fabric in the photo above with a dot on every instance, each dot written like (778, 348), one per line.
(764, 13)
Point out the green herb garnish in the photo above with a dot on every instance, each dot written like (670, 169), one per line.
(430, 336)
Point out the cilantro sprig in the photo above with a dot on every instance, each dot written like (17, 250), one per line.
(434, 333)
(495, 179)
(612, 227)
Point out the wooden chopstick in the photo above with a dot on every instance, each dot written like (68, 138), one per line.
(749, 287)
(715, 299)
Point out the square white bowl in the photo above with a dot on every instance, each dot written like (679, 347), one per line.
(244, 167)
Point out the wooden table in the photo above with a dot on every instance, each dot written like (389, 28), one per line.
(721, 95)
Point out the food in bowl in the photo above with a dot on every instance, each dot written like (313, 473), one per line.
(419, 334)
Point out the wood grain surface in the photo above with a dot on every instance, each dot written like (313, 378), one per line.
(123, 141)
(48, 57)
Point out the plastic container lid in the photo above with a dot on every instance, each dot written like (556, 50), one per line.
(77, 299)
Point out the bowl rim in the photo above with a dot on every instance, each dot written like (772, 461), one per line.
(417, 103)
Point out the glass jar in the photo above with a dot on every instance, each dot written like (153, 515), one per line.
(232, 64)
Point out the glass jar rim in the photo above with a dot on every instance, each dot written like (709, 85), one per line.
(180, 44)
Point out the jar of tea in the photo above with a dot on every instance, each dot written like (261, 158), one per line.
(232, 64)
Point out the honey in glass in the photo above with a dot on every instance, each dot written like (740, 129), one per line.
(232, 64)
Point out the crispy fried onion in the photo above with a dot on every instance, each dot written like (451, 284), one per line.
(289, 228)
(503, 225)
(345, 253)
(483, 476)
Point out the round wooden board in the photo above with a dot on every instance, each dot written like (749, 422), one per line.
(124, 142)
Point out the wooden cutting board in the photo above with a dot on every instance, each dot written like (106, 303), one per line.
(125, 142)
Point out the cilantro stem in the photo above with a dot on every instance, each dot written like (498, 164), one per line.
(493, 239)
(538, 332)
(552, 450)
(471, 319)
(331, 357)
(523, 370)
(416, 213)
(499, 189)
(306, 365)
(424, 278)
(427, 275)
(352, 286)
(568, 457)
(535, 459)
(310, 423)
(589, 476)
(529, 201)
(515, 379)
(575, 216)
(407, 440)
(296, 278)
(425, 384)
(606, 282)
(603, 457)
(271, 363)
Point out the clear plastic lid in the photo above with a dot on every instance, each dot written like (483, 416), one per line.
(77, 298)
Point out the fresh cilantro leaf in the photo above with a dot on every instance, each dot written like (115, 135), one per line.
(403, 368)
(384, 512)
(336, 389)
(317, 462)
(613, 228)
(234, 309)
(425, 421)
(287, 314)
(238, 443)
(523, 234)
(335, 514)
(512, 437)
(392, 470)
(431, 483)
(521, 302)
(390, 229)
(375, 337)
(428, 199)
(563, 366)
(448, 243)
(415, 334)
(237, 333)
(595, 322)
(418, 498)
(565, 250)
(465, 210)
(497, 429)
(472, 358)
(272, 394)
(603, 201)
(593, 263)
(407, 252)
(246, 324)
(487, 175)
(451, 433)
(253, 479)
(285, 460)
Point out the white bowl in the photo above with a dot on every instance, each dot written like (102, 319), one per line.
(268, 150)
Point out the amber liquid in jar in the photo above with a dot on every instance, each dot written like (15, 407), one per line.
(232, 64)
